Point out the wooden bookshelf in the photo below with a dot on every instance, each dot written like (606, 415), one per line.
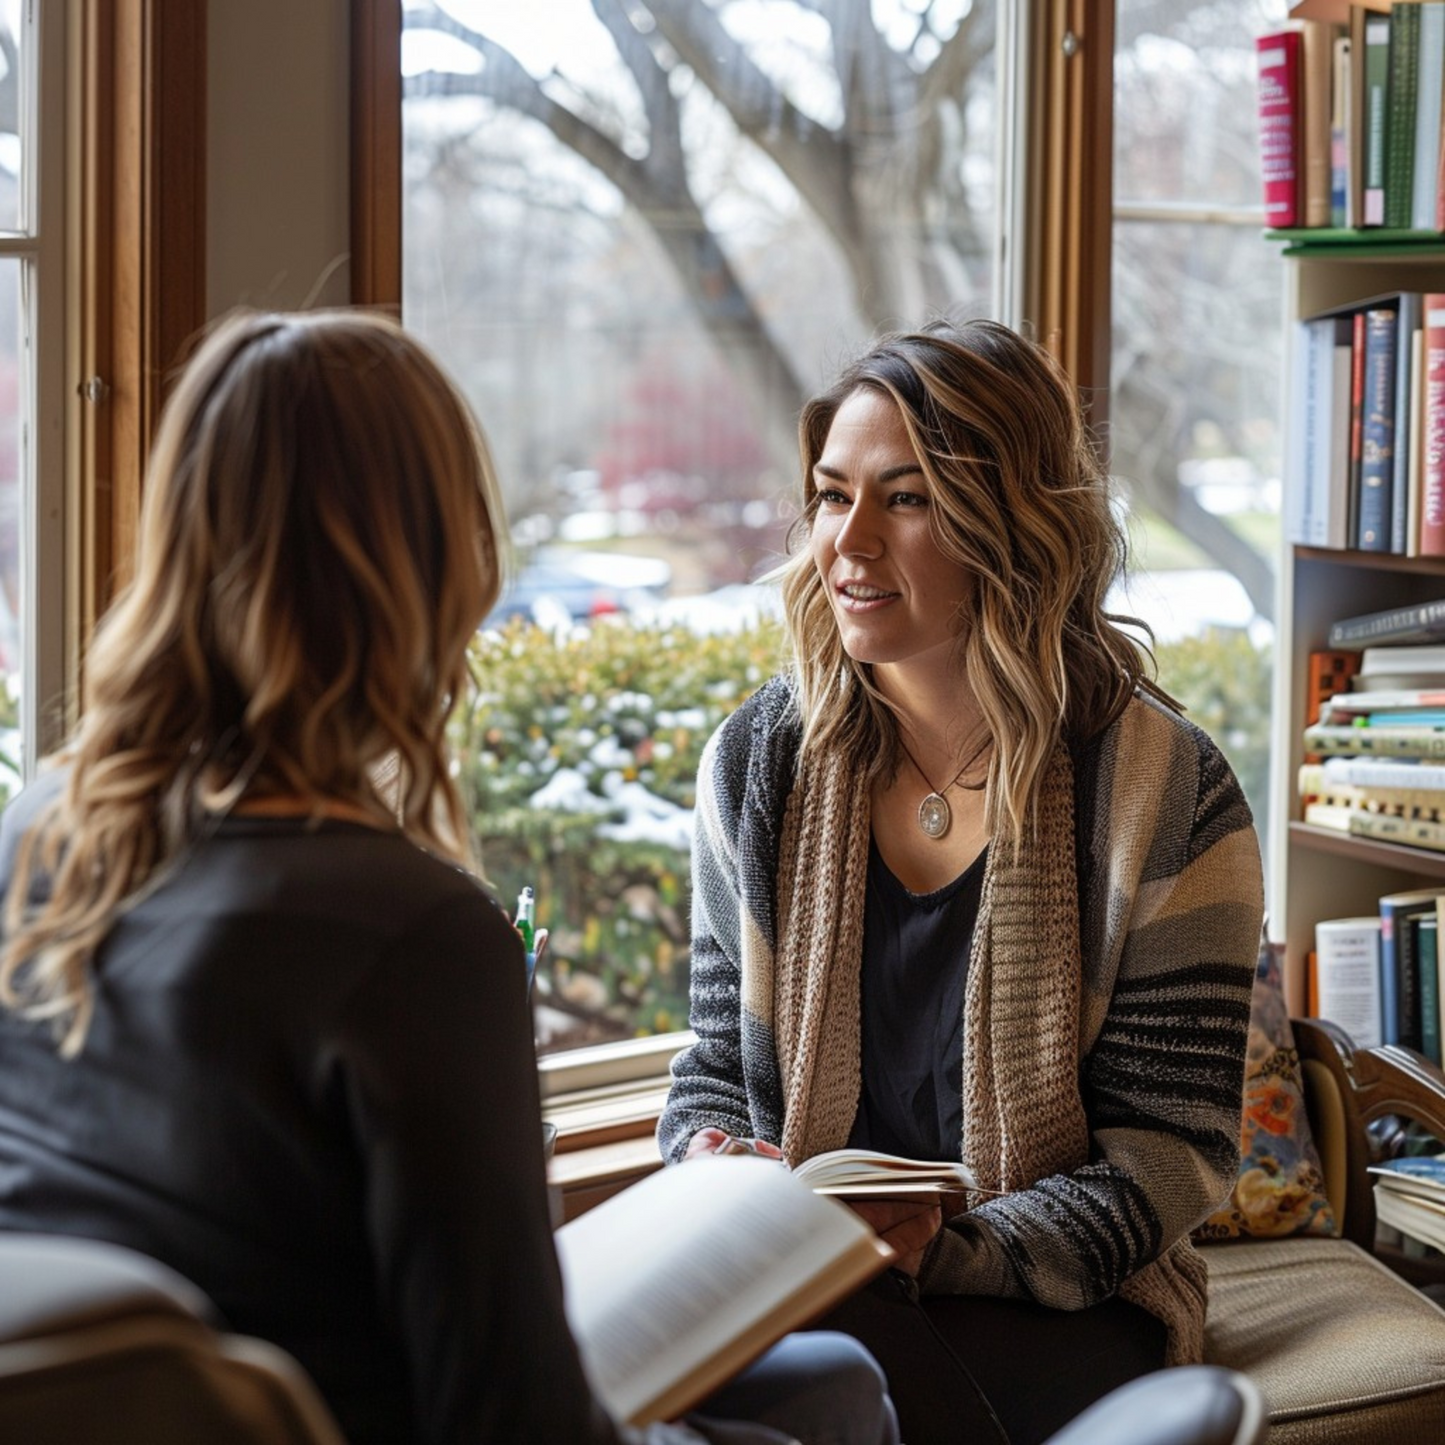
(1315, 872)
(1420, 862)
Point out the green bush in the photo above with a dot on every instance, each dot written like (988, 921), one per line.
(1225, 684)
(615, 706)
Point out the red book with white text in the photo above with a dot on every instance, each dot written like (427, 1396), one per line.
(1280, 149)
(1432, 510)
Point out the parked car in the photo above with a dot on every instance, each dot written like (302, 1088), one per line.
(557, 586)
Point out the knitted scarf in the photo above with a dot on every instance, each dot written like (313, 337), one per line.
(1023, 1116)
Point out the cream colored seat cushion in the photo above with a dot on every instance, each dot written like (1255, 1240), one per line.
(1344, 1351)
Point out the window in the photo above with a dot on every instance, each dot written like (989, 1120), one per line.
(32, 57)
(1195, 399)
(641, 234)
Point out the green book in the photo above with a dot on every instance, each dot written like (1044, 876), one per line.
(1375, 118)
(1401, 98)
(1427, 957)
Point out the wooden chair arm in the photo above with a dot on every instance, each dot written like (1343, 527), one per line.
(1395, 1080)
(1377, 1083)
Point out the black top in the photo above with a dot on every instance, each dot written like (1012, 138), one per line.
(915, 963)
(310, 1087)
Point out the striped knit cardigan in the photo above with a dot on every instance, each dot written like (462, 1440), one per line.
(1105, 1014)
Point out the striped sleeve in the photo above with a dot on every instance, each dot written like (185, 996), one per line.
(708, 1086)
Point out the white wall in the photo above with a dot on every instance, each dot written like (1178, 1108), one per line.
(277, 171)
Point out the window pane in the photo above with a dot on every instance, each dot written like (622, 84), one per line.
(13, 524)
(641, 234)
(1195, 388)
(13, 100)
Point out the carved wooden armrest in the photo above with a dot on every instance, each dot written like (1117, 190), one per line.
(1378, 1083)
(1382, 1081)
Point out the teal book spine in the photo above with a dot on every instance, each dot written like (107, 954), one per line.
(1427, 956)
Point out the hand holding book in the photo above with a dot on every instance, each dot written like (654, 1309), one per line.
(907, 1227)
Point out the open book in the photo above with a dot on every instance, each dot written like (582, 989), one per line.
(676, 1283)
(867, 1174)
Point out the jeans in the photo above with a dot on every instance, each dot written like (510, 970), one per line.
(819, 1388)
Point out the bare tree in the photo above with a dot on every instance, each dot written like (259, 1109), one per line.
(883, 181)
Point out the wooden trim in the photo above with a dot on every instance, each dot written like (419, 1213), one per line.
(94, 334)
(1072, 167)
(143, 271)
(376, 153)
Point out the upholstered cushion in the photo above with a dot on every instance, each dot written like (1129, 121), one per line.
(1280, 1190)
(1344, 1351)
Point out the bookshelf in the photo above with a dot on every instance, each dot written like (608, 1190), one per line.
(1315, 873)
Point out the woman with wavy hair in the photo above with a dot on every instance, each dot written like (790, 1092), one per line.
(261, 1020)
(968, 886)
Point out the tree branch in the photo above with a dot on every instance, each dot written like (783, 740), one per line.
(665, 158)
(504, 80)
(811, 156)
(663, 200)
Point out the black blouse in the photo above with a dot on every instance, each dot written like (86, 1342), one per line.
(915, 963)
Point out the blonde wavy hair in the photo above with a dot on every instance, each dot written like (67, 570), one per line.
(320, 537)
(1019, 501)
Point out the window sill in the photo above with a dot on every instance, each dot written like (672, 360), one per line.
(605, 1141)
(605, 1103)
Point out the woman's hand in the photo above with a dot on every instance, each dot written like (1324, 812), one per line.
(907, 1229)
(719, 1141)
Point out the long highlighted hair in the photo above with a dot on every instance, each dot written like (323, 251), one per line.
(1020, 502)
(321, 534)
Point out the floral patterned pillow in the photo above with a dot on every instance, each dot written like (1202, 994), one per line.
(1280, 1188)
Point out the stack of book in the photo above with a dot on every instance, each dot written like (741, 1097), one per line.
(1410, 1197)
(1375, 749)
(1379, 977)
(1350, 120)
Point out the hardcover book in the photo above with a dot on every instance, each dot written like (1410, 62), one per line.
(1426, 185)
(1316, 66)
(1375, 119)
(1407, 334)
(1348, 967)
(1401, 90)
(678, 1282)
(1377, 427)
(1279, 127)
(1432, 515)
(1415, 622)
(1400, 968)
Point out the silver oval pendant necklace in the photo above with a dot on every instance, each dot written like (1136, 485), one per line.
(935, 817)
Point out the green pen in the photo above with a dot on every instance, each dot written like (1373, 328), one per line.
(526, 920)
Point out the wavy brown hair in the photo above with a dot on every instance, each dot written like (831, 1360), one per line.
(320, 538)
(1020, 501)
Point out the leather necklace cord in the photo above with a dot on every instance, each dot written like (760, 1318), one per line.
(935, 817)
(908, 752)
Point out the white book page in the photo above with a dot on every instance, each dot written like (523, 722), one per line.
(667, 1275)
(867, 1174)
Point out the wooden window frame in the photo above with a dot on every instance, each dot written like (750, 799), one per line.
(139, 282)
(1068, 287)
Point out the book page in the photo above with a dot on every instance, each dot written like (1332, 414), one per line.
(674, 1284)
(868, 1174)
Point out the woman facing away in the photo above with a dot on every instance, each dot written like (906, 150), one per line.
(968, 886)
(261, 1021)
